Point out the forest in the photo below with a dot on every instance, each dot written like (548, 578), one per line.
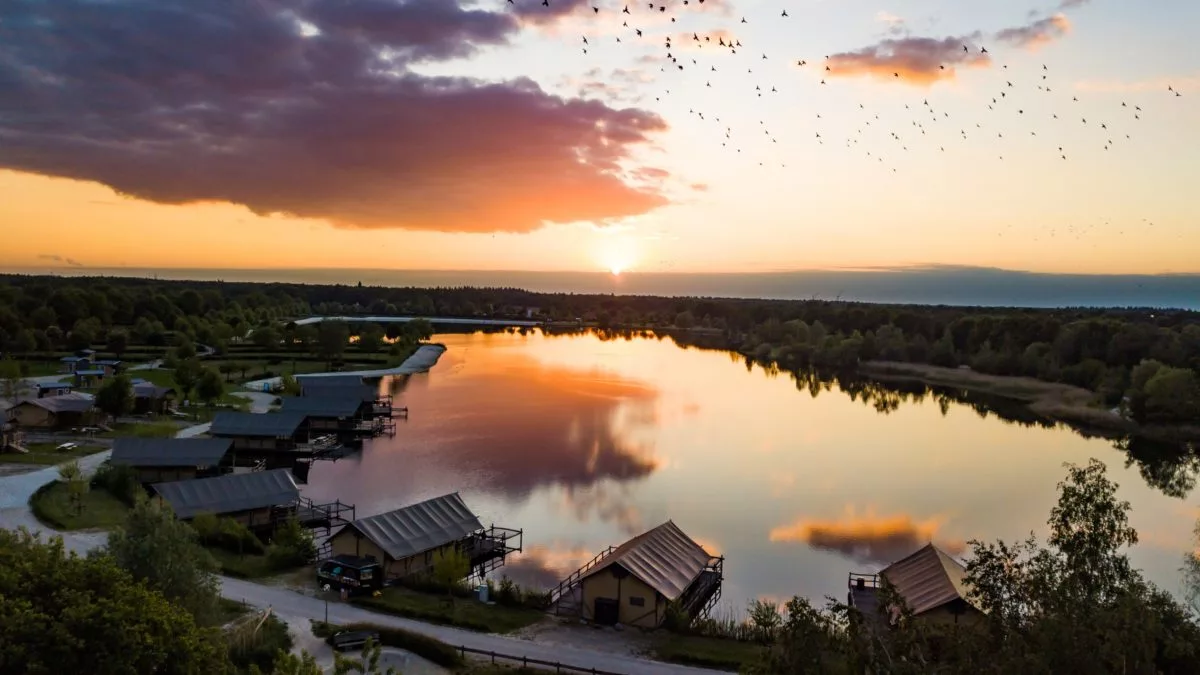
(1146, 360)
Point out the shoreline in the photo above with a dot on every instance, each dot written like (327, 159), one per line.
(1055, 401)
(425, 357)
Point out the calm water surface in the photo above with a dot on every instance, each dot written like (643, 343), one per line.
(585, 442)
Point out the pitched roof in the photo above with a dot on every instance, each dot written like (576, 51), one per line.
(52, 385)
(72, 402)
(321, 406)
(228, 423)
(664, 558)
(169, 451)
(419, 527)
(927, 579)
(71, 359)
(357, 391)
(150, 390)
(230, 493)
(90, 371)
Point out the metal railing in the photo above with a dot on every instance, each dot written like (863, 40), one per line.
(569, 583)
(525, 662)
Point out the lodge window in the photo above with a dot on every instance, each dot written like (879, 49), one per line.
(637, 601)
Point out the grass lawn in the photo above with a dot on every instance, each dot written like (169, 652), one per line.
(46, 454)
(142, 430)
(463, 613)
(250, 566)
(705, 652)
(41, 368)
(52, 506)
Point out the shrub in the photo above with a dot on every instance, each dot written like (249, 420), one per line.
(292, 546)
(119, 481)
(426, 647)
(261, 648)
(226, 534)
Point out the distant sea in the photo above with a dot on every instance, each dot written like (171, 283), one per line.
(938, 285)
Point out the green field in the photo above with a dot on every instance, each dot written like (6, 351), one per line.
(463, 613)
(52, 506)
(46, 454)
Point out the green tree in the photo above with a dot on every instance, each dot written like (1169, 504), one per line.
(684, 320)
(71, 474)
(10, 379)
(61, 613)
(117, 342)
(1191, 574)
(331, 339)
(1172, 396)
(184, 347)
(370, 340)
(266, 337)
(80, 337)
(288, 385)
(163, 553)
(293, 545)
(209, 386)
(187, 374)
(419, 329)
(23, 342)
(450, 567)
(115, 397)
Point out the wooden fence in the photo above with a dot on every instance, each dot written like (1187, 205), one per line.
(525, 661)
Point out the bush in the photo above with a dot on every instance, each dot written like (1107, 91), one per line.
(426, 647)
(227, 534)
(261, 648)
(292, 546)
(119, 481)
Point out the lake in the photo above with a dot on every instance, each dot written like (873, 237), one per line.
(584, 442)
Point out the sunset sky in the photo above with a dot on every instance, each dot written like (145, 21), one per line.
(429, 135)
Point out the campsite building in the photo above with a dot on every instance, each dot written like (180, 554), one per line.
(53, 412)
(161, 460)
(410, 540)
(931, 583)
(44, 389)
(259, 499)
(634, 583)
(258, 433)
(348, 386)
(344, 415)
(150, 398)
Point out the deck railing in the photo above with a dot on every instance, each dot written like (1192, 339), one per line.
(858, 580)
(525, 662)
(571, 581)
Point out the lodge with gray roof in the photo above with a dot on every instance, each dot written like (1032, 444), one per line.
(254, 499)
(53, 412)
(410, 540)
(635, 583)
(161, 460)
(261, 432)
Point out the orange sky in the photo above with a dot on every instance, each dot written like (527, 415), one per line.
(689, 197)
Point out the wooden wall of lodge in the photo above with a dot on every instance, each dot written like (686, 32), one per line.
(255, 519)
(349, 542)
(167, 474)
(606, 584)
(30, 416)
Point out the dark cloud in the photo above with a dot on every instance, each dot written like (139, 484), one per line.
(1071, 4)
(53, 257)
(1037, 33)
(917, 60)
(308, 107)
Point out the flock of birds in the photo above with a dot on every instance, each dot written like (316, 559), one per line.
(1024, 104)
(915, 125)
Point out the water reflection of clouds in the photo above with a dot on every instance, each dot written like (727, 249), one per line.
(544, 566)
(869, 538)
(521, 424)
(609, 502)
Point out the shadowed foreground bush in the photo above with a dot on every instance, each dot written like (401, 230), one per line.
(426, 647)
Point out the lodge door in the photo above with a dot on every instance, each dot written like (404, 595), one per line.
(606, 611)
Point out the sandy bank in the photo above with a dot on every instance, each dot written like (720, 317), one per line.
(421, 360)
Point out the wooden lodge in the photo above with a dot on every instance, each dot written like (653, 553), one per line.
(150, 398)
(345, 416)
(53, 412)
(409, 540)
(931, 583)
(162, 460)
(350, 386)
(260, 500)
(257, 433)
(634, 583)
(45, 389)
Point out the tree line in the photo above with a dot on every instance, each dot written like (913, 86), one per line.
(1149, 358)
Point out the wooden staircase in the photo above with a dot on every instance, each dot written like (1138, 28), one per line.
(567, 597)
